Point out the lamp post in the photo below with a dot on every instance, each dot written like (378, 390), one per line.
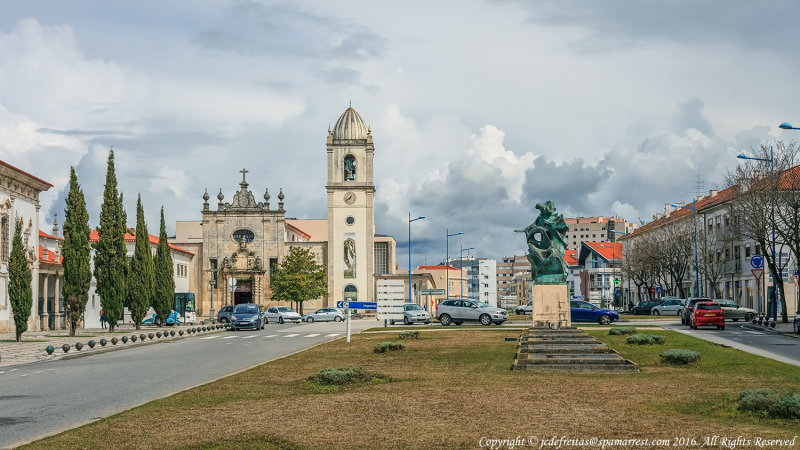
(696, 261)
(212, 283)
(784, 126)
(409, 253)
(461, 266)
(447, 261)
(628, 275)
(613, 272)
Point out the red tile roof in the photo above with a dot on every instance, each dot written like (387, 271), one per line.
(48, 256)
(3, 163)
(679, 213)
(49, 236)
(130, 236)
(608, 250)
(571, 257)
(439, 267)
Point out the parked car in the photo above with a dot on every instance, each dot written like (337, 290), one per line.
(671, 307)
(173, 319)
(644, 308)
(707, 313)
(797, 323)
(688, 308)
(412, 312)
(734, 311)
(525, 309)
(281, 314)
(224, 314)
(247, 315)
(324, 315)
(581, 311)
(458, 311)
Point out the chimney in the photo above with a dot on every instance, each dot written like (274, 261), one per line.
(666, 209)
(713, 193)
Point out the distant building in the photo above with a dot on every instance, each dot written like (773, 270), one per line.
(600, 266)
(508, 268)
(595, 229)
(481, 279)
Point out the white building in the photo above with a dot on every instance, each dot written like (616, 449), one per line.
(480, 275)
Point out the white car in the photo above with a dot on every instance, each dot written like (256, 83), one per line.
(281, 314)
(671, 307)
(525, 309)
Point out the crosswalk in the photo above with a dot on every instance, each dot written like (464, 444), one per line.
(270, 336)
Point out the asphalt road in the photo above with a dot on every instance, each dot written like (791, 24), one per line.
(38, 400)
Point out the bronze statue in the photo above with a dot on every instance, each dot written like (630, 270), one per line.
(547, 241)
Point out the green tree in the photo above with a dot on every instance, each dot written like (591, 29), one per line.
(19, 282)
(164, 277)
(77, 254)
(299, 278)
(141, 279)
(110, 259)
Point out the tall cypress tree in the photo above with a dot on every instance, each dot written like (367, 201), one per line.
(141, 277)
(20, 291)
(165, 280)
(110, 259)
(77, 253)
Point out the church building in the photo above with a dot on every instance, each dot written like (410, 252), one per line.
(245, 240)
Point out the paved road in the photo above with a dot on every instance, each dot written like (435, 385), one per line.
(41, 399)
(749, 338)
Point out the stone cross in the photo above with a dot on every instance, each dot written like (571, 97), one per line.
(243, 172)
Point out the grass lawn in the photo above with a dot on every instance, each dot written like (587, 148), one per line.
(450, 389)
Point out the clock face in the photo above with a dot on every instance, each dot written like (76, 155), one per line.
(350, 198)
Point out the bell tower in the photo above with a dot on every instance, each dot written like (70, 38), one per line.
(351, 212)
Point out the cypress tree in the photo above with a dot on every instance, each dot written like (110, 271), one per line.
(165, 280)
(20, 291)
(77, 253)
(110, 259)
(141, 277)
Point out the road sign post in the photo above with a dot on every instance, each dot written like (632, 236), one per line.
(232, 285)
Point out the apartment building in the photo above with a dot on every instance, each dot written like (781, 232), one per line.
(508, 268)
(595, 229)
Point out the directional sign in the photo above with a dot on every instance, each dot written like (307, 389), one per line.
(341, 304)
(757, 261)
(362, 305)
(659, 290)
(431, 292)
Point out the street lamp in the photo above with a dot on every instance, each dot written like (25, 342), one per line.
(447, 260)
(613, 273)
(696, 262)
(628, 275)
(409, 253)
(784, 126)
(461, 266)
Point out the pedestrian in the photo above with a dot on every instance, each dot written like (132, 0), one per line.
(102, 320)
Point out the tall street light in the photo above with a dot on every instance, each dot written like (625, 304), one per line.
(447, 260)
(785, 126)
(613, 248)
(626, 234)
(461, 266)
(696, 261)
(409, 253)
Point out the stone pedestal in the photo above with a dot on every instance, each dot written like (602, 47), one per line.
(550, 306)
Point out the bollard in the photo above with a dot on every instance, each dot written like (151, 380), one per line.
(151, 336)
(91, 344)
(142, 336)
(180, 332)
(134, 338)
(172, 333)
(114, 340)
(158, 334)
(124, 339)
(103, 342)
(49, 349)
(78, 346)
(65, 347)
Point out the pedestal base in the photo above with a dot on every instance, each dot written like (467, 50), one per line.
(550, 306)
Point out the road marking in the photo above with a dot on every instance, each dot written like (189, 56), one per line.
(25, 375)
(251, 336)
(209, 337)
(2, 371)
(291, 335)
(270, 336)
(332, 335)
(229, 337)
(39, 371)
(312, 335)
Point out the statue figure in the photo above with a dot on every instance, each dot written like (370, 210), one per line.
(350, 258)
(547, 241)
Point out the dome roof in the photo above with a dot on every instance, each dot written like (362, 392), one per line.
(350, 126)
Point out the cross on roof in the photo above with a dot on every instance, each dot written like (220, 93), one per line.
(243, 172)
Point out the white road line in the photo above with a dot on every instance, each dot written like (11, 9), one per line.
(2, 371)
(291, 335)
(753, 332)
(39, 371)
(332, 335)
(251, 336)
(229, 337)
(270, 336)
(12, 370)
(24, 374)
(311, 335)
(209, 337)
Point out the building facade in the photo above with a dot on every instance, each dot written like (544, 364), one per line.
(596, 229)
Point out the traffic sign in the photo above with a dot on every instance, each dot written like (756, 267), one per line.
(616, 281)
(659, 290)
(757, 261)
(357, 305)
(431, 292)
(341, 304)
(757, 273)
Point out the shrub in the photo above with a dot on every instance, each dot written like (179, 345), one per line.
(383, 347)
(679, 356)
(617, 331)
(340, 376)
(645, 339)
(411, 334)
(771, 403)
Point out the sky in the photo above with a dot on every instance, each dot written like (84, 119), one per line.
(478, 109)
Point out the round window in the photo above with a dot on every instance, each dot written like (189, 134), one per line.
(350, 220)
(243, 235)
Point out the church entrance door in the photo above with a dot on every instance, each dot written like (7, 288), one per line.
(244, 292)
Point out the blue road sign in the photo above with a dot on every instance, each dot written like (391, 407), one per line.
(340, 304)
(357, 305)
(659, 290)
(757, 261)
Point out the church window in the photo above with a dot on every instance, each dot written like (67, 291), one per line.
(381, 258)
(350, 220)
(243, 235)
(349, 168)
(350, 293)
(273, 266)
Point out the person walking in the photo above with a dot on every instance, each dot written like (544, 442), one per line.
(102, 320)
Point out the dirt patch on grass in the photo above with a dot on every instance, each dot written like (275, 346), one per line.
(450, 389)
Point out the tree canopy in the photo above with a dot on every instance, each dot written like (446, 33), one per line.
(76, 252)
(299, 278)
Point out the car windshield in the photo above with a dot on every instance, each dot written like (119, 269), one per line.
(413, 307)
(480, 304)
(706, 306)
(285, 309)
(245, 309)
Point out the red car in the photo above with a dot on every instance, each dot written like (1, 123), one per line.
(707, 313)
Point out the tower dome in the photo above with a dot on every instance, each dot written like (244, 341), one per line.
(350, 127)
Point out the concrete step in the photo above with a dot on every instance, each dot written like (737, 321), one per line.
(564, 348)
(567, 350)
(631, 367)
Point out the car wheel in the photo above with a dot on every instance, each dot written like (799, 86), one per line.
(486, 319)
(749, 317)
(337, 319)
(405, 321)
(656, 313)
(280, 320)
(391, 322)
(735, 320)
(604, 319)
(635, 312)
(310, 320)
(722, 327)
(223, 320)
(445, 320)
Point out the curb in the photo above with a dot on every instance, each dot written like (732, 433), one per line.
(124, 346)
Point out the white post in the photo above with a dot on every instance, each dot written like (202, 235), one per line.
(348, 323)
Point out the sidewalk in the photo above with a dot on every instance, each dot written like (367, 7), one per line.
(32, 347)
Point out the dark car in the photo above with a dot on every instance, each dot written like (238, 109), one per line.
(581, 311)
(224, 314)
(797, 323)
(645, 308)
(247, 315)
(686, 315)
(707, 313)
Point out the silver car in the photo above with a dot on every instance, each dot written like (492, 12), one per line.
(281, 314)
(525, 309)
(324, 315)
(733, 310)
(671, 307)
(412, 312)
(458, 311)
